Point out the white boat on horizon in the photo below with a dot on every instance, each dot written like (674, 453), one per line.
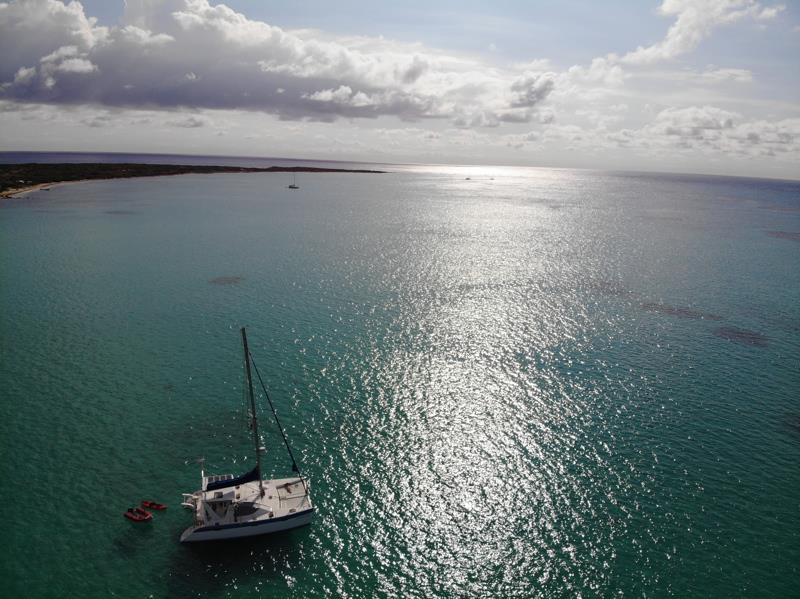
(233, 507)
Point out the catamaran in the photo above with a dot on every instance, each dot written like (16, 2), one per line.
(231, 507)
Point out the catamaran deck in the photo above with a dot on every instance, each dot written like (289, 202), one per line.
(219, 512)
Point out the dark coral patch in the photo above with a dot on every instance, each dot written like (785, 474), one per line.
(679, 311)
(226, 280)
(780, 208)
(742, 336)
(791, 235)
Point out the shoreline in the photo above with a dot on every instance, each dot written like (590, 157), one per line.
(45, 176)
(10, 194)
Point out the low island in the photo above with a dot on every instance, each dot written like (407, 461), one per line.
(20, 178)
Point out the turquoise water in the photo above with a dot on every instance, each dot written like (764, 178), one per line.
(530, 383)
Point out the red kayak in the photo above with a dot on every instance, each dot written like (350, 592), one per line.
(153, 505)
(137, 514)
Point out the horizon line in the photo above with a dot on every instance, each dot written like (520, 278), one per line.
(410, 164)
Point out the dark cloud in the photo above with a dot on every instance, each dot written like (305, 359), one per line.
(531, 89)
(415, 71)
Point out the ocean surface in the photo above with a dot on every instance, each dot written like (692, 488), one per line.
(502, 382)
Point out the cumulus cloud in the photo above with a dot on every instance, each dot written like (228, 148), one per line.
(521, 103)
(100, 120)
(694, 21)
(531, 89)
(706, 131)
(712, 130)
(189, 53)
(694, 121)
(189, 122)
(76, 65)
(603, 71)
(36, 29)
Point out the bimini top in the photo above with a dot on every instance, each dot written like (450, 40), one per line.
(224, 481)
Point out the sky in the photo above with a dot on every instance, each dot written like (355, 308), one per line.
(708, 86)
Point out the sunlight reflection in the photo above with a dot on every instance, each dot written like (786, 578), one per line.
(481, 433)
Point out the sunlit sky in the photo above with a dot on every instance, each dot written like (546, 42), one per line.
(710, 86)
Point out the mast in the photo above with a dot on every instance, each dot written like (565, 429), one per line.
(253, 417)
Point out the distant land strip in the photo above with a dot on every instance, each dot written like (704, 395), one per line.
(19, 178)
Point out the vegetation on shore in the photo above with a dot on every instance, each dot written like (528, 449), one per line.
(17, 177)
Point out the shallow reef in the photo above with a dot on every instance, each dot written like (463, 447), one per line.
(679, 311)
(742, 336)
(791, 235)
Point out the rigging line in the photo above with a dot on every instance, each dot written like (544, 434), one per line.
(278, 422)
(246, 411)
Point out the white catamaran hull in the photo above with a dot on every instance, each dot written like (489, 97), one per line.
(246, 529)
(235, 507)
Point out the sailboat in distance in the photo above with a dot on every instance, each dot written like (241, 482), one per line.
(232, 507)
(294, 182)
